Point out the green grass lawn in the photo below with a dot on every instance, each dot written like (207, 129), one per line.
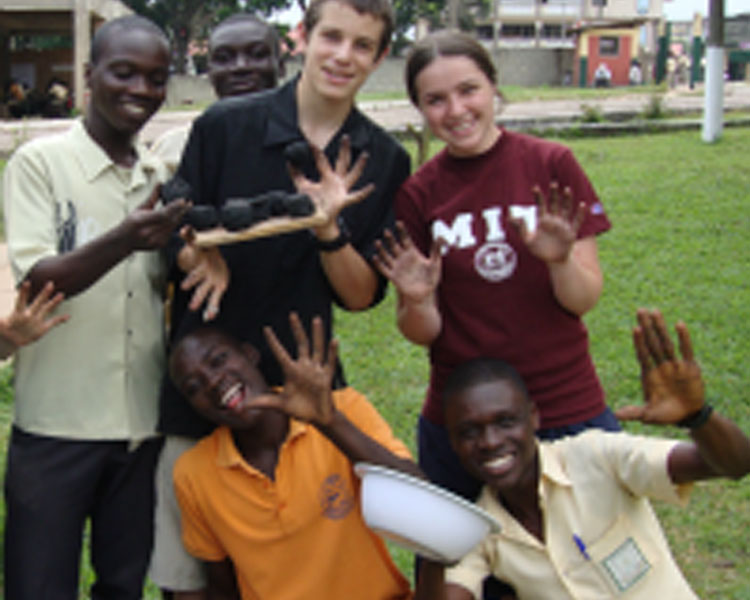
(512, 93)
(517, 93)
(680, 242)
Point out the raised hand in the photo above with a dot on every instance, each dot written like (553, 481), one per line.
(672, 386)
(207, 273)
(149, 227)
(558, 222)
(28, 322)
(307, 379)
(415, 276)
(332, 193)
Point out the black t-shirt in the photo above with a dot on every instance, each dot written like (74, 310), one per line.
(236, 149)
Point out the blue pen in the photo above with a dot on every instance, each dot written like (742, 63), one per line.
(581, 546)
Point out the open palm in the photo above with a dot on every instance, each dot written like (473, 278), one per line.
(415, 276)
(672, 387)
(332, 193)
(307, 379)
(558, 222)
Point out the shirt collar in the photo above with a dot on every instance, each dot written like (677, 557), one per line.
(94, 160)
(551, 469)
(283, 127)
(227, 454)
(551, 466)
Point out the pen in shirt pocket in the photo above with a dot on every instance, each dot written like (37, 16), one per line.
(581, 546)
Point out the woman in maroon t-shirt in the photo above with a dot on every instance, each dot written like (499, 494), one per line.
(495, 253)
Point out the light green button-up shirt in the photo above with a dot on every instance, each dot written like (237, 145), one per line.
(98, 375)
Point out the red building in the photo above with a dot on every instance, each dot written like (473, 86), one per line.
(608, 47)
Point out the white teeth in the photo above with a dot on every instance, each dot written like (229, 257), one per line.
(229, 394)
(498, 462)
(135, 109)
(461, 127)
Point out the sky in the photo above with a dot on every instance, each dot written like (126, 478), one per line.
(674, 10)
(683, 10)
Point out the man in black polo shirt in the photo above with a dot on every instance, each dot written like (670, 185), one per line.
(236, 149)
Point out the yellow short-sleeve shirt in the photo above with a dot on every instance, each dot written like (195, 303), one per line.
(98, 375)
(602, 538)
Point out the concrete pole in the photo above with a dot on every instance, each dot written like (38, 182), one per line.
(453, 14)
(81, 43)
(696, 51)
(496, 25)
(713, 99)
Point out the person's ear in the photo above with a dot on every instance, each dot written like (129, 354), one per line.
(299, 35)
(251, 352)
(535, 418)
(386, 51)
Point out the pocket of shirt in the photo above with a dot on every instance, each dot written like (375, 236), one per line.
(619, 563)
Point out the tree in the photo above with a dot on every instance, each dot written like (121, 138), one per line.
(438, 13)
(186, 20)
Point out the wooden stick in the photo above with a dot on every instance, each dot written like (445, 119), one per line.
(273, 226)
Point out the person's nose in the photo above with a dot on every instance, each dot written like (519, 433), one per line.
(491, 437)
(207, 377)
(455, 106)
(241, 62)
(142, 86)
(343, 52)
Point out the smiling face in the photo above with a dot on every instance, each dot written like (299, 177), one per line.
(128, 81)
(458, 101)
(218, 377)
(341, 51)
(491, 427)
(243, 58)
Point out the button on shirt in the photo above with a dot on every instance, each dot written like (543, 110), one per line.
(300, 534)
(236, 150)
(97, 376)
(602, 538)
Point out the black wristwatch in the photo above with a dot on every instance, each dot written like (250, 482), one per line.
(341, 240)
(698, 418)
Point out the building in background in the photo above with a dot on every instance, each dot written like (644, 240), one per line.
(549, 32)
(42, 41)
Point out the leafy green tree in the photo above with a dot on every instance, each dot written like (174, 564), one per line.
(438, 15)
(186, 20)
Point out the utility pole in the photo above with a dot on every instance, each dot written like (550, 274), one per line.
(81, 43)
(453, 14)
(713, 100)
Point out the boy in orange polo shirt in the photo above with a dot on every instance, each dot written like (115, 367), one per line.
(270, 500)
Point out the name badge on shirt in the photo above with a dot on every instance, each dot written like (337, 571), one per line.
(626, 565)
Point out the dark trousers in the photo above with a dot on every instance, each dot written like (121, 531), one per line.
(52, 486)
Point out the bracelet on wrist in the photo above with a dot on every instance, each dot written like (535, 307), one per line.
(698, 418)
(341, 240)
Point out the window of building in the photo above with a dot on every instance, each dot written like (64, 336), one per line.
(609, 46)
(484, 32)
(522, 30)
(19, 42)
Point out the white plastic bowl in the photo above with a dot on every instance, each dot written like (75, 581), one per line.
(420, 516)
